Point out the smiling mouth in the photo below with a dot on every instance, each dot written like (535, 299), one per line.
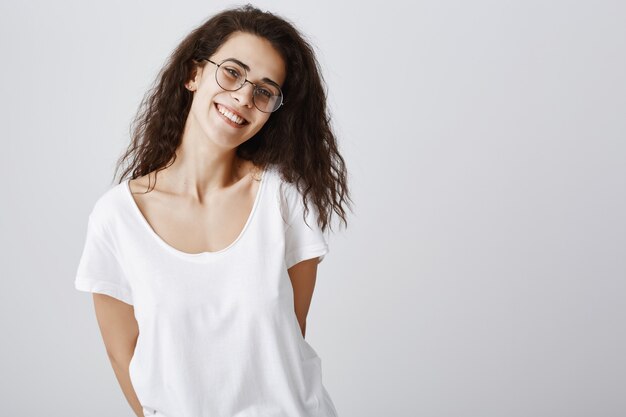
(230, 116)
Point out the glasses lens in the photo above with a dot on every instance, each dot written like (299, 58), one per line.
(267, 97)
(231, 76)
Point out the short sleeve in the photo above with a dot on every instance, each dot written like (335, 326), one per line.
(99, 269)
(303, 240)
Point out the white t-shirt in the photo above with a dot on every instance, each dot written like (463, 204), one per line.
(218, 334)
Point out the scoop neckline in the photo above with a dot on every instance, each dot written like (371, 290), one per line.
(200, 255)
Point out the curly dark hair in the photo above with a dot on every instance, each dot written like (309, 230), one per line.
(297, 139)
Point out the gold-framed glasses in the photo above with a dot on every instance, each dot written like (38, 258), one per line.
(231, 76)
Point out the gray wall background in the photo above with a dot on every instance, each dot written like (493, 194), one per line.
(483, 272)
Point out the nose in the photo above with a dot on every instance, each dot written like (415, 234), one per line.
(244, 94)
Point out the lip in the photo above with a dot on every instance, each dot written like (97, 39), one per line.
(230, 109)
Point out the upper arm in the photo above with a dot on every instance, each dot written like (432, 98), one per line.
(303, 276)
(118, 326)
(101, 273)
(100, 269)
(304, 238)
(305, 247)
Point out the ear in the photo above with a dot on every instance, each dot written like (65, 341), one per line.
(194, 74)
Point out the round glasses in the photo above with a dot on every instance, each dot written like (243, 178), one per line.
(231, 76)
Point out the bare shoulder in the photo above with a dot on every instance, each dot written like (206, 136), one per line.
(142, 184)
(250, 168)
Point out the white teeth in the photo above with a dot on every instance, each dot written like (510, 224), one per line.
(232, 117)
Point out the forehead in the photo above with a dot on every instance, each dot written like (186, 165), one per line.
(257, 53)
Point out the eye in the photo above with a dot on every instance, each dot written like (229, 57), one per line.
(231, 72)
(264, 92)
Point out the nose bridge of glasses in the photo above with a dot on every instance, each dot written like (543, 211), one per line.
(245, 80)
(243, 93)
(242, 88)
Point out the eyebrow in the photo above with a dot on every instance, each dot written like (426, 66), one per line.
(247, 68)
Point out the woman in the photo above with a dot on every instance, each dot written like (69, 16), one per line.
(202, 280)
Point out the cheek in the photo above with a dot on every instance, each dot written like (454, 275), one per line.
(260, 122)
(198, 100)
(203, 102)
